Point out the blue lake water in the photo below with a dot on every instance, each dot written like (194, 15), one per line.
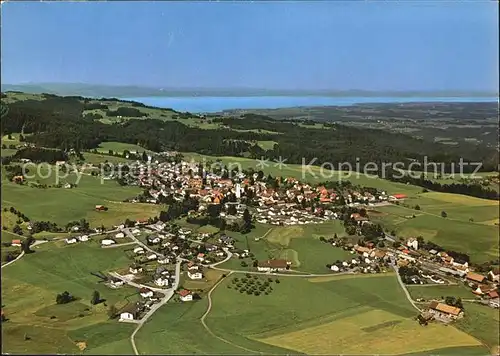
(214, 103)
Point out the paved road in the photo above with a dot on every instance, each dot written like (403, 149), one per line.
(131, 235)
(408, 296)
(209, 308)
(169, 293)
(120, 245)
(38, 242)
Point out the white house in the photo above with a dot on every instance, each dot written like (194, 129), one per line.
(83, 238)
(334, 268)
(71, 241)
(146, 292)
(117, 283)
(120, 235)
(161, 282)
(135, 269)
(413, 243)
(185, 295)
(152, 257)
(107, 242)
(126, 316)
(138, 250)
(494, 274)
(164, 260)
(195, 275)
(136, 231)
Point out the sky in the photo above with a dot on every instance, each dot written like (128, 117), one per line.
(370, 45)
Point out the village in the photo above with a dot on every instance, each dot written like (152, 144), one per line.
(164, 254)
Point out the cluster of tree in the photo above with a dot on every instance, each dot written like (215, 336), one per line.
(39, 226)
(474, 190)
(407, 273)
(83, 225)
(96, 298)
(14, 170)
(179, 208)
(58, 122)
(22, 216)
(64, 298)
(454, 302)
(38, 155)
(127, 112)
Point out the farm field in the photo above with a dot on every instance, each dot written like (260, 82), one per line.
(29, 288)
(436, 292)
(298, 244)
(299, 313)
(456, 232)
(64, 205)
(482, 322)
(119, 147)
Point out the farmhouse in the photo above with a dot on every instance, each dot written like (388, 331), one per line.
(100, 208)
(138, 250)
(494, 274)
(16, 243)
(195, 275)
(185, 295)
(107, 242)
(83, 238)
(444, 311)
(135, 269)
(120, 235)
(474, 277)
(271, 265)
(413, 243)
(146, 292)
(71, 241)
(129, 312)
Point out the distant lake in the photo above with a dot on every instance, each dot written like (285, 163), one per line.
(198, 104)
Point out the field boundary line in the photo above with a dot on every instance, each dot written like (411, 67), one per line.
(209, 308)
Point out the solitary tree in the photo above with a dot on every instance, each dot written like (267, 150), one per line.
(96, 298)
(443, 214)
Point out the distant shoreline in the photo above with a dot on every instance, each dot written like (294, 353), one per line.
(221, 104)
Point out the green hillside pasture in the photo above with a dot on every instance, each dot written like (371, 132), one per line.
(457, 207)
(298, 244)
(120, 147)
(266, 145)
(95, 158)
(303, 173)
(6, 152)
(480, 241)
(362, 313)
(481, 322)
(429, 292)
(29, 288)
(64, 205)
(176, 329)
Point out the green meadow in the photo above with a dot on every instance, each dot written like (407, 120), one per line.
(469, 225)
(29, 288)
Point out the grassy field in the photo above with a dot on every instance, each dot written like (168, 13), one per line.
(63, 205)
(29, 287)
(95, 158)
(329, 316)
(299, 244)
(120, 147)
(436, 292)
(482, 322)
(479, 237)
(266, 145)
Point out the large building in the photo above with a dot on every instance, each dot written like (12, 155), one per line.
(445, 311)
(273, 265)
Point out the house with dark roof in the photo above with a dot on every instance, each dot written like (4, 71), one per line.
(273, 265)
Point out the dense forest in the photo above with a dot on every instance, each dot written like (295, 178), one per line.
(58, 122)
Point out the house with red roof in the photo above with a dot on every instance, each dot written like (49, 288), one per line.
(185, 295)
